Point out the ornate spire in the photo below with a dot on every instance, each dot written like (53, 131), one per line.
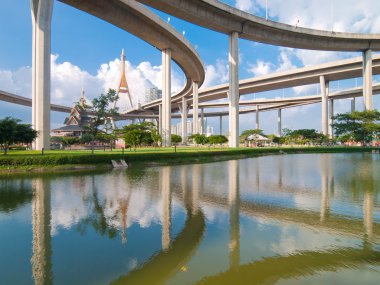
(82, 101)
(123, 86)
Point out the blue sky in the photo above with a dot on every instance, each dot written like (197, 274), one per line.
(86, 50)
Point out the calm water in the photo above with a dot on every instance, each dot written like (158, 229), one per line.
(290, 219)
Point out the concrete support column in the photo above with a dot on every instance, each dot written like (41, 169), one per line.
(202, 131)
(279, 123)
(160, 119)
(166, 97)
(184, 110)
(331, 120)
(220, 125)
(367, 79)
(234, 90)
(257, 117)
(324, 96)
(195, 108)
(41, 11)
(353, 105)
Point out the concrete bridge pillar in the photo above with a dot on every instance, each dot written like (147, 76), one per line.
(331, 120)
(41, 11)
(160, 119)
(166, 98)
(353, 104)
(220, 125)
(367, 79)
(195, 108)
(234, 90)
(324, 95)
(184, 109)
(257, 117)
(279, 123)
(202, 122)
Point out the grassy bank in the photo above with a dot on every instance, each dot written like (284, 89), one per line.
(28, 160)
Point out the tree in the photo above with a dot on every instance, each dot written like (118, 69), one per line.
(87, 138)
(199, 139)
(275, 139)
(245, 134)
(358, 126)
(217, 139)
(176, 139)
(156, 137)
(303, 136)
(147, 133)
(133, 137)
(69, 141)
(103, 108)
(12, 132)
(25, 133)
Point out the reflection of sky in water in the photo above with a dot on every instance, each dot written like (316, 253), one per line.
(281, 201)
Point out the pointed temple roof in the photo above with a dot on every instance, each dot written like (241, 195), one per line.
(78, 120)
(123, 86)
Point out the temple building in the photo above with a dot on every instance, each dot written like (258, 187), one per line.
(77, 123)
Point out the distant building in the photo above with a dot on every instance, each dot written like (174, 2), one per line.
(152, 94)
(174, 130)
(177, 129)
(209, 131)
(189, 128)
(77, 122)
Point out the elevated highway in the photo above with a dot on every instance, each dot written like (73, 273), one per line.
(143, 23)
(235, 23)
(128, 15)
(133, 17)
(225, 19)
(337, 70)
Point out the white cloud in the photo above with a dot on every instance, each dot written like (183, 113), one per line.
(18, 81)
(216, 74)
(67, 81)
(246, 5)
(261, 68)
(338, 15)
(265, 67)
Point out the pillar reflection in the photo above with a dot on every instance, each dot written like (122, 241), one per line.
(41, 221)
(368, 202)
(166, 207)
(325, 198)
(196, 183)
(234, 202)
(280, 170)
(368, 205)
(186, 194)
(257, 173)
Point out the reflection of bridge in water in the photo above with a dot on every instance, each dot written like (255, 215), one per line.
(177, 252)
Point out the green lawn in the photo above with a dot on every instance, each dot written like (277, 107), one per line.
(27, 159)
